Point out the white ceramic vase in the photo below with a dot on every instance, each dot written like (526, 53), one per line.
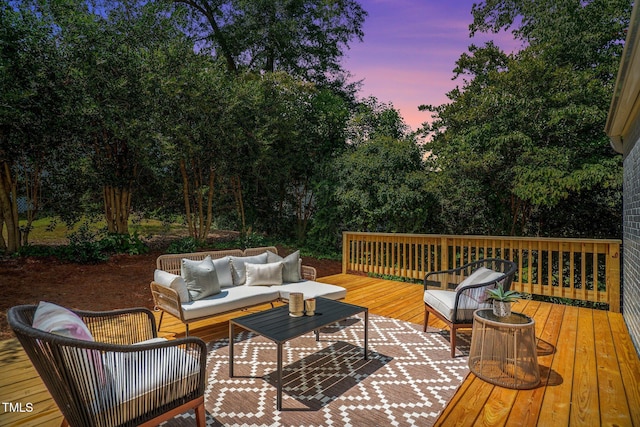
(501, 308)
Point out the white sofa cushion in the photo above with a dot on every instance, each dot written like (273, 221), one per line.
(174, 282)
(238, 266)
(291, 266)
(228, 299)
(200, 277)
(263, 274)
(312, 289)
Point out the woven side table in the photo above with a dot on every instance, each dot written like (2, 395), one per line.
(503, 350)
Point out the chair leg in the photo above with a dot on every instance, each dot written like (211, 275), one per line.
(201, 420)
(453, 341)
(426, 318)
(160, 321)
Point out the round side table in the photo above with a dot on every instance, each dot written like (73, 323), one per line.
(503, 350)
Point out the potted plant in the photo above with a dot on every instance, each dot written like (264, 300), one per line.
(502, 300)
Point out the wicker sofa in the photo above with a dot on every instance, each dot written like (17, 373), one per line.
(169, 294)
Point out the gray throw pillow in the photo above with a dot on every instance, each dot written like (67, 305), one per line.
(238, 266)
(200, 277)
(223, 271)
(291, 266)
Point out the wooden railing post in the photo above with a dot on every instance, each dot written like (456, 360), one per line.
(613, 276)
(444, 253)
(346, 254)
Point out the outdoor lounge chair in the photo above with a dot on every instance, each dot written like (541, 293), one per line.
(122, 376)
(453, 295)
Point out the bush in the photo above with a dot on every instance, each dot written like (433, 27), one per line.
(184, 245)
(123, 244)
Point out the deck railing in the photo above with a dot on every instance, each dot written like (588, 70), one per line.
(579, 269)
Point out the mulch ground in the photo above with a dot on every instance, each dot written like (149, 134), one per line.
(121, 282)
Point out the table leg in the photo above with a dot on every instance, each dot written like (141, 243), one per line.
(279, 379)
(366, 335)
(231, 340)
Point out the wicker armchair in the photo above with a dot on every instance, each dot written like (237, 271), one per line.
(453, 295)
(112, 381)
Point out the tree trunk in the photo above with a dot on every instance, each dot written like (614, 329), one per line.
(117, 204)
(236, 187)
(304, 208)
(9, 207)
(32, 188)
(199, 212)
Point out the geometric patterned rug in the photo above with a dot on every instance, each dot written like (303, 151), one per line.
(407, 380)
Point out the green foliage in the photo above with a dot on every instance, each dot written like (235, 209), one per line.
(396, 278)
(130, 244)
(525, 132)
(499, 294)
(84, 246)
(381, 186)
(304, 38)
(185, 245)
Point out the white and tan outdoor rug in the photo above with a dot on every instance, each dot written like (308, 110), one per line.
(407, 380)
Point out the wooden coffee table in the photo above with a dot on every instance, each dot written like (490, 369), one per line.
(276, 325)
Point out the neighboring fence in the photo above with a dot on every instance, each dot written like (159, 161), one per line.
(581, 269)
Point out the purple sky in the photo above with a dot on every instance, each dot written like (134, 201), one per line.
(409, 52)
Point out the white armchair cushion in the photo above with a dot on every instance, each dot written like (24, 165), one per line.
(443, 302)
(174, 282)
(263, 274)
(135, 374)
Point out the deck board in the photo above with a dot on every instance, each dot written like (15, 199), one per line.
(589, 367)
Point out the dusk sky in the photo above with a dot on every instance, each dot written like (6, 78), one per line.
(409, 51)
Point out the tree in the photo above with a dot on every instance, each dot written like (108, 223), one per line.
(115, 48)
(525, 133)
(381, 186)
(32, 115)
(305, 38)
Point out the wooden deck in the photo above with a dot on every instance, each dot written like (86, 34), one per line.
(590, 369)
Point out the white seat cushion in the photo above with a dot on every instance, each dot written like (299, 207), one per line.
(312, 289)
(443, 302)
(228, 299)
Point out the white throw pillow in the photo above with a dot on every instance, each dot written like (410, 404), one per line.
(291, 266)
(263, 274)
(238, 266)
(200, 277)
(58, 320)
(174, 282)
(475, 277)
(481, 275)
